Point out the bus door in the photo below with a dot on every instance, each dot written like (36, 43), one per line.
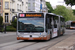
(54, 27)
(48, 25)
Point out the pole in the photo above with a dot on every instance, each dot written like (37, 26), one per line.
(41, 6)
(5, 28)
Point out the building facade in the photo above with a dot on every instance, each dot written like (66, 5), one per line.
(6, 11)
(44, 7)
(1, 7)
(34, 5)
(10, 8)
(17, 6)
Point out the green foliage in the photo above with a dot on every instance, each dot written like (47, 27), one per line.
(66, 13)
(70, 2)
(10, 28)
(49, 7)
(74, 12)
(14, 23)
(1, 20)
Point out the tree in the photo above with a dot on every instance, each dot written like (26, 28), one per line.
(63, 11)
(49, 7)
(74, 12)
(1, 21)
(70, 2)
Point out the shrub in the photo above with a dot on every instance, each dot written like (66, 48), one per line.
(14, 23)
(10, 28)
(1, 20)
(1, 28)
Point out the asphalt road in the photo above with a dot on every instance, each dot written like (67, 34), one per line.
(9, 42)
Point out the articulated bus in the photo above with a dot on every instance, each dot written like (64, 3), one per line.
(70, 24)
(39, 26)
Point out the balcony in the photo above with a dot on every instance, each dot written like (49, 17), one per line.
(18, 10)
(12, 10)
(13, 0)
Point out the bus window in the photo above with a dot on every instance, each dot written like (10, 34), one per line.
(48, 22)
(62, 22)
(55, 21)
(73, 24)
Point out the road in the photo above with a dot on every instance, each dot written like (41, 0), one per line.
(9, 42)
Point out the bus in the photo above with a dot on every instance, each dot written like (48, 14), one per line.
(39, 26)
(70, 24)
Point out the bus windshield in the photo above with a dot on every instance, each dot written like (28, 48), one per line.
(31, 25)
(73, 24)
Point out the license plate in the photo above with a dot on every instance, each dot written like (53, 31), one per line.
(30, 38)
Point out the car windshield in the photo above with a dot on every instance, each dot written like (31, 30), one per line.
(73, 24)
(31, 25)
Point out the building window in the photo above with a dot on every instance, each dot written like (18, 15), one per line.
(29, 9)
(34, 4)
(0, 9)
(6, 17)
(0, 3)
(20, 7)
(20, 0)
(29, 0)
(6, 5)
(29, 4)
(17, 6)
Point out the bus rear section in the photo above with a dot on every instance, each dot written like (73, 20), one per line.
(31, 26)
(72, 25)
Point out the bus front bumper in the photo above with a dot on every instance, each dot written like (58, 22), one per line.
(39, 38)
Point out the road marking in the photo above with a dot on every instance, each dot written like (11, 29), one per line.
(14, 45)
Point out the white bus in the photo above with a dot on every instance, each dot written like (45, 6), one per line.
(39, 26)
(70, 24)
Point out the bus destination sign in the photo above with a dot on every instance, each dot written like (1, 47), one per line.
(32, 15)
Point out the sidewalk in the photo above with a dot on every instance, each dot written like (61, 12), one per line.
(7, 33)
(67, 44)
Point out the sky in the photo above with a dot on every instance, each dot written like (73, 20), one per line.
(58, 2)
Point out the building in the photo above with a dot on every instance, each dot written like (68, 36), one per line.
(44, 7)
(34, 5)
(6, 11)
(37, 5)
(10, 8)
(17, 6)
(1, 7)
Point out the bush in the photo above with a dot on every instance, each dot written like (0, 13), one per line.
(1, 28)
(14, 23)
(10, 28)
(1, 20)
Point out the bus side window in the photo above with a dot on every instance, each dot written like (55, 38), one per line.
(55, 22)
(48, 23)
